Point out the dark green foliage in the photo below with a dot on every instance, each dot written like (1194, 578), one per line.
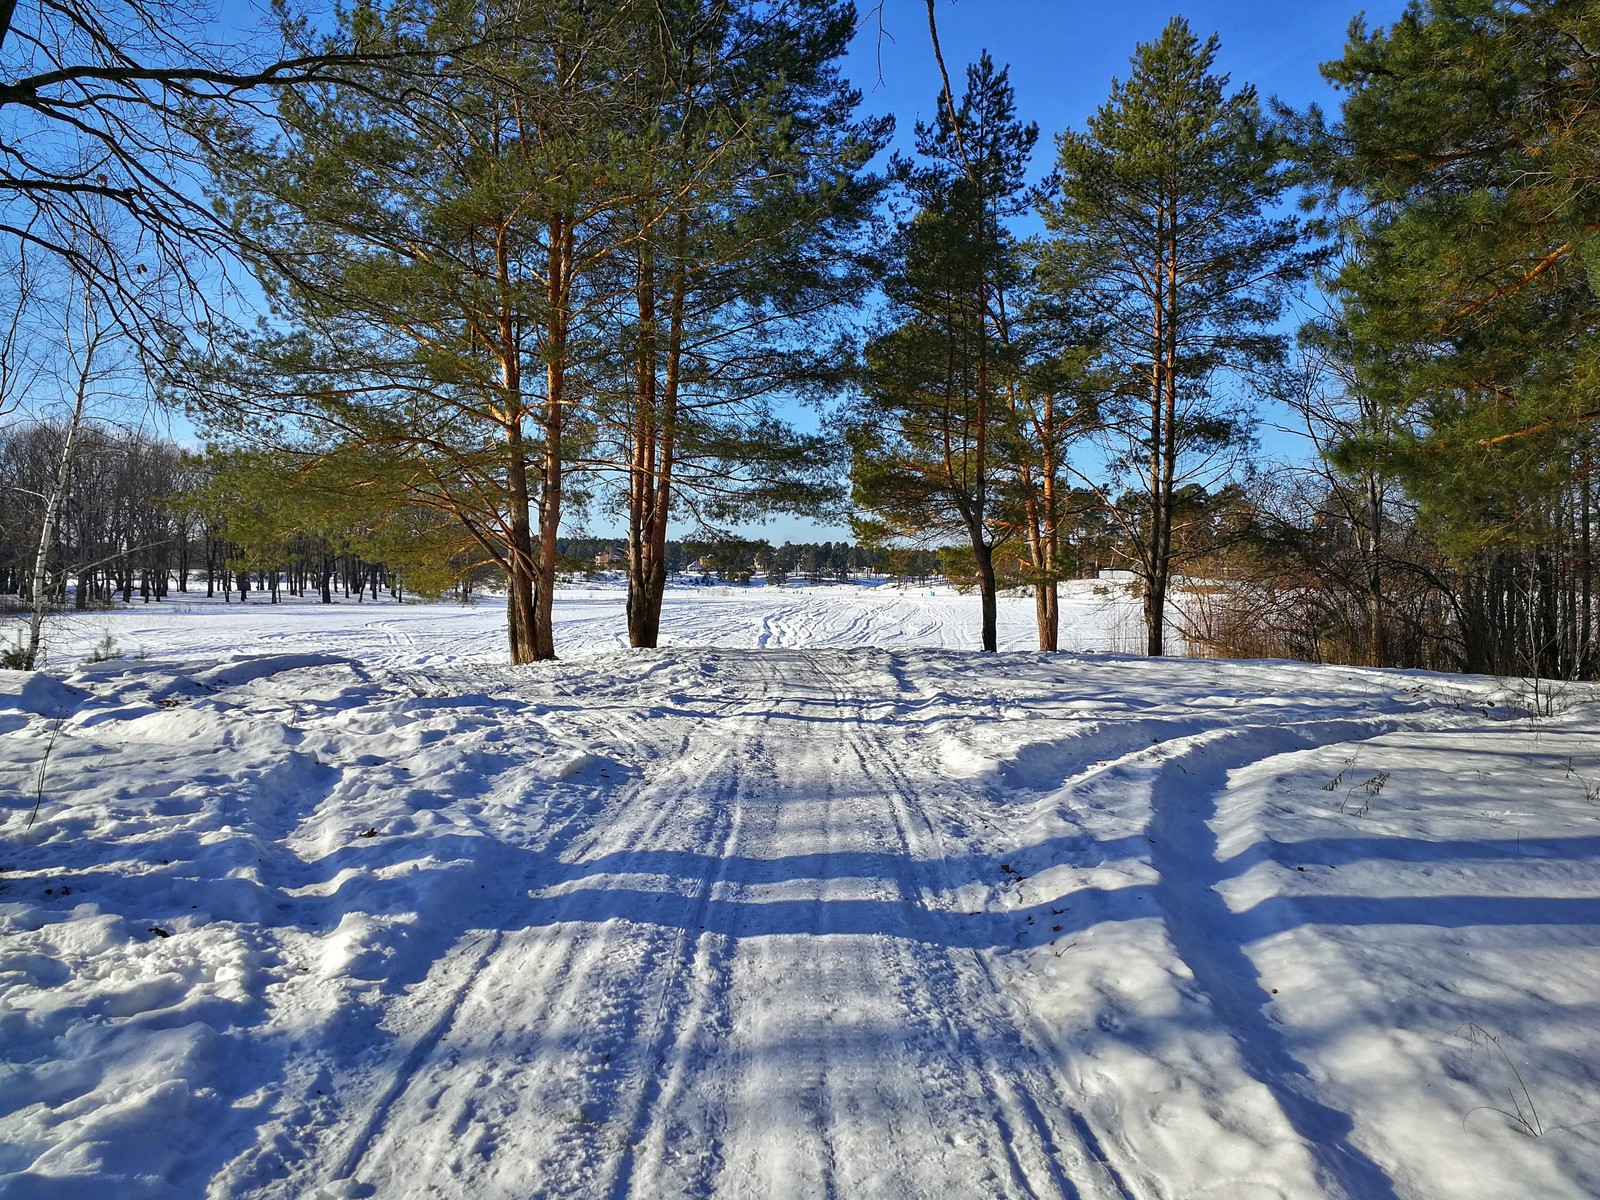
(1467, 143)
(1470, 133)
(1166, 214)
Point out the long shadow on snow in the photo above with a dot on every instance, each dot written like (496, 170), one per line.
(1338, 851)
(678, 896)
(1210, 938)
(599, 890)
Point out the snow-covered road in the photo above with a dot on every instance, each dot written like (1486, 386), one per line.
(810, 921)
(740, 978)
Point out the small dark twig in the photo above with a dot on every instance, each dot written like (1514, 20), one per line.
(1527, 1120)
(44, 764)
(1369, 789)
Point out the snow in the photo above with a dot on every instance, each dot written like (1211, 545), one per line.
(590, 620)
(328, 903)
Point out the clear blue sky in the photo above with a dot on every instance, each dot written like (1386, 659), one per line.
(1064, 53)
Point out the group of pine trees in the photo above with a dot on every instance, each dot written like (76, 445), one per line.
(524, 259)
(1165, 267)
(579, 266)
(1450, 217)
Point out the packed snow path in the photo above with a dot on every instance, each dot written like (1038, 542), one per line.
(740, 981)
(794, 922)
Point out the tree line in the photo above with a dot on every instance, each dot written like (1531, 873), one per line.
(529, 258)
(1447, 217)
(141, 517)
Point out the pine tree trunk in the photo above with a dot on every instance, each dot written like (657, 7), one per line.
(656, 443)
(542, 625)
(1586, 663)
(1155, 609)
(983, 552)
(1377, 651)
(1045, 615)
(1049, 611)
(1034, 520)
(519, 610)
(521, 561)
(642, 631)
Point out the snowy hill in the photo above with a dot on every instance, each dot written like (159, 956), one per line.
(327, 903)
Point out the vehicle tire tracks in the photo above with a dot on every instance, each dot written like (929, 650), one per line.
(1032, 1145)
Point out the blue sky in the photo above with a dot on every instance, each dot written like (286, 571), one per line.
(1064, 53)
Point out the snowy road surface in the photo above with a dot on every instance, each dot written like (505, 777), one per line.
(807, 921)
(740, 980)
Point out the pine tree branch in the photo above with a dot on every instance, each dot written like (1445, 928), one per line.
(1541, 265)
(1536, 427)
(949, 93)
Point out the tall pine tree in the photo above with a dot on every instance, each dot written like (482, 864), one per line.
(746, 242)
(1167, 210)
(927, 442)
(431, 258)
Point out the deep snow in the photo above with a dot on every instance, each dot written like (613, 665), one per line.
(328, 903)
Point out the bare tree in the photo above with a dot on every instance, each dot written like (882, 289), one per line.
(86, 362)
(20, 359)
(83, 339)
(106, 105)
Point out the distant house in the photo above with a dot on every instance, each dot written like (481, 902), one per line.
(608, 558)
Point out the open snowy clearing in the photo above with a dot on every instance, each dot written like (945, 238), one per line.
(589, 620)
(327, 903)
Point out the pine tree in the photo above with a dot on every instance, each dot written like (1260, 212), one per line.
(747, 242)
(448, 259)
(1054, 401)
(1167, 208)
(1467, 139)
(580, 262)
(927, 443)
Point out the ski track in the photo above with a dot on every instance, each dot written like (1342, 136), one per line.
(680, 934)
(1042, 1151)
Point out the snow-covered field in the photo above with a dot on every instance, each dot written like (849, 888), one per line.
(327, 903)
(590, 620)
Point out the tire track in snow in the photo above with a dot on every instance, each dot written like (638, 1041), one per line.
(514, 1016)
(821, 1049)
(406, 1073)
(699, 964)
(1185, 853)
(1032, 1146)
(680, 1143)
(965, 1096)
(630, 1027)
